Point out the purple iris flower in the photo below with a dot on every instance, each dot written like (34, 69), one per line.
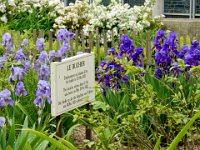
(159, 73)
(17, 74)
(62, 52)
(6, 39)
(44, 72)
(139, 50)
(192, 56)
(161, 33)
(166, 52)
(185, 49)
(41, 44)
(2, 121)
(103, 63)
(128, 50)
(52, 55)
(125, 39)
(20, 55)
(65, 44)
(112, 51)
(25, 42)
(43, 57)
(64, 34)
(43, 92)
(7, 42)
(194, 43)
(26, 66)
(2, 60)
(176, 70)
(5, 98)
(20, 89)
(112, 73)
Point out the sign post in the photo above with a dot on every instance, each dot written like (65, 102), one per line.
(88, 132)
(72, 85)
(58, 125)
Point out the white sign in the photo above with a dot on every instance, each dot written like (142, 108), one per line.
(72, 83)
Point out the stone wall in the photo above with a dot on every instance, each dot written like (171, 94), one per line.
(184, 26)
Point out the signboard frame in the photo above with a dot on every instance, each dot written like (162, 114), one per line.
(88, 58)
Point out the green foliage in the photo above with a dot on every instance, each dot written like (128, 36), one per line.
(25, 138)
(183, 132)
(146, 111)
(38, 19)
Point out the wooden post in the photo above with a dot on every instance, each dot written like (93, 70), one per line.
(28, 47)
(71, 50)
(88, 132)
(133, 37)
(41, 33)
(112, 36)
(83, 40)
(148, 48)
(184, 38)
(50, 41)
(76, 42)
(58, 124)
(18, 39)
(105, 45)
(90, 40)
(98, 46)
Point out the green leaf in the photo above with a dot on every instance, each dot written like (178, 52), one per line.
(22, 137)
(181, 134)
(99, 105)
(11, 138)
(28, 146)
(9, 147)
(3, 138)
(25, 112)
(70, 131)
(157, 146)
(68, 146)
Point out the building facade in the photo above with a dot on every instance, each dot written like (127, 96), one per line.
(178, 8)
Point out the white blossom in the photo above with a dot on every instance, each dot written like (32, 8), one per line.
(4, 19)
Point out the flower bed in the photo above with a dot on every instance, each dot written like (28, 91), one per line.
(137, 103)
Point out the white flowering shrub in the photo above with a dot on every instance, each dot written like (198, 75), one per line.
(6, 10)
(75, 16)
(115, 16)
(52, 14)
(30, 14)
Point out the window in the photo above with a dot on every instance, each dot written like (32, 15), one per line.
(66, 2)
(134, 2)
(107, 2)
(182, 8)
